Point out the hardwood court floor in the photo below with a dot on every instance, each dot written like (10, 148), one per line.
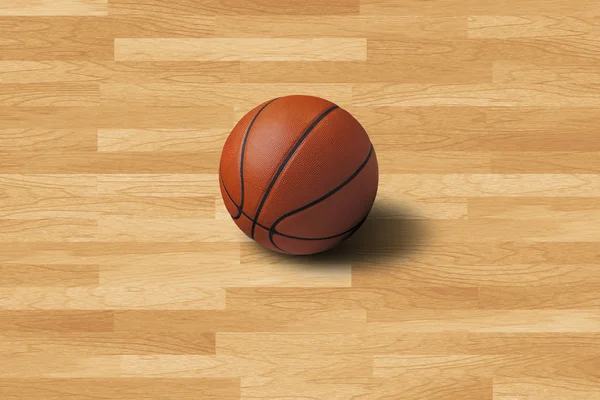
(476, 277)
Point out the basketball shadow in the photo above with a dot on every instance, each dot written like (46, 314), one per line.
(391, 233)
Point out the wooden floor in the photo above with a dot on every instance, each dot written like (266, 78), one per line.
(476, 277)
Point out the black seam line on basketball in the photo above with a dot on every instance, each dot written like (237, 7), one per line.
(243, 152)
(283, 234)
(278, 233)
(273, 229)
(238, 207)
(350, 232)
(284, 163)
(319, 238)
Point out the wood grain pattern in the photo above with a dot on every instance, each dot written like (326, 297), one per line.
(475, 277)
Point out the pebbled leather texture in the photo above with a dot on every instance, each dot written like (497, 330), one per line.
(309, 173)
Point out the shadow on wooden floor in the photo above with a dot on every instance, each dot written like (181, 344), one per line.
(391, 233)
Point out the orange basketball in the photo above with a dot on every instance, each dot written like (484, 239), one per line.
(298, 174)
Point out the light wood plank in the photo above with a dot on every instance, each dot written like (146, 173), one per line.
(33, 139)
(254, 369)
(544, 389)
(505, 95)
(365, 72)
(117, 229)
(176, 162)
(161, 139)
(538, 26)
(237, 49)
(190, 271)
(49, 95)
(490, 185)
(106, 297)
(158, 185)
(54, 7)
(475, 7)
(487, 321)
(50, 229)
(534, 208)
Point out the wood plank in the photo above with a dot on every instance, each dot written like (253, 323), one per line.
(445, 388)
(126, 140)
(46, 185)
(49, 95)
(565, 296)
(109, 163)
(124, 389)
(234, 7)
(519, 365)
(55, 38)
(552, 52)
(47, 275)
(476, 95)
(93, 207)
(418, 274)
(390, 342)
(154, 296)
(475, 7)
(486, 320)
(162, 25)
(50, 229)
(297, 26)
(54, 8)
(452, 72)
(253, 369)
(79, 344)
(121, 116)
(245, 96)
(551, 162)
(191, 254)
(534, 208)
(347, 343)
(538, 26)
(34, 139)
(191, 272)
(301, 298)
(570, 77)
(23, 367)
(158, 185)
(56, 321)
(240, 321)
(544, 388)
(489, 185)
(118, 72)
(237, 49)
(434, 162)
(118, 229)
(466, 123)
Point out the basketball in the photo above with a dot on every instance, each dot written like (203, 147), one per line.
(298, 174)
